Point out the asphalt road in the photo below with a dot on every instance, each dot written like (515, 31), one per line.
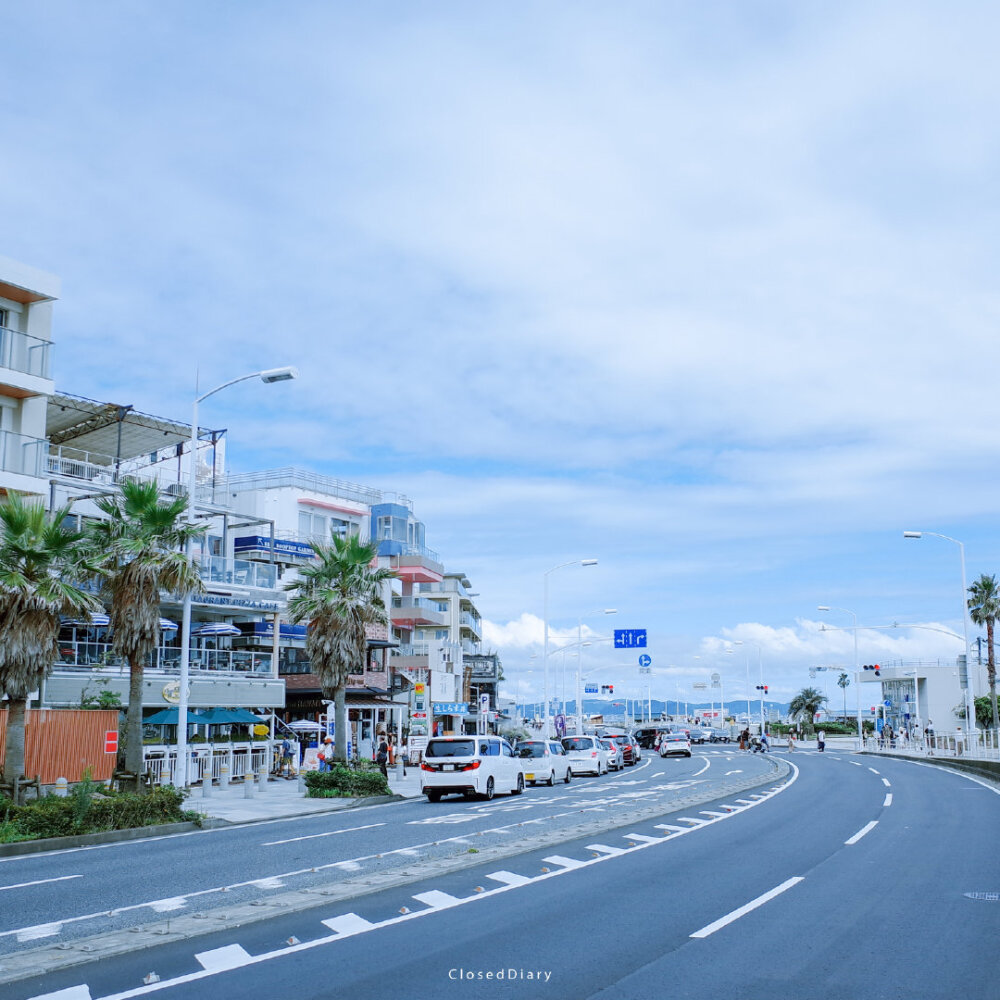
(855, 878)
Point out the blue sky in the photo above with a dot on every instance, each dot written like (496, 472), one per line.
(704, 291)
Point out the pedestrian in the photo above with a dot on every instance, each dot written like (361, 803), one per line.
(382, 756)
(764, 745)
(821, 740)
(286, 757)
(404, 755)
(791, 741)
(326, 754)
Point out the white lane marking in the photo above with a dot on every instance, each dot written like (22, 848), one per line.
(508, 878)
(642, 838)
(873, 771)
(315, 836)
(605, 848)
(732, 772)
(671, 829)
(168, 905)
(348, 923)
(691, 819)
(888, 800)
(885, 781)
(714, 815)
(559, 859)
(855, 763)
(81, 992)
(287, 950)
(347, 866)
(746, 908)
(231, 956)
(436, 899)
(708, 764)
(41, 881)
(268, 883)
(37, 931)
(411, 853)
(865, 829)
(744, 802)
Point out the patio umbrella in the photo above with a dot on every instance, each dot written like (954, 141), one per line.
(305, 726)
(166, 625)
(96, 621)
(228, 716)
(217, 628)
(168, 717)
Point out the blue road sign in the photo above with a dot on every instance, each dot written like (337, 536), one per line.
(590, 689)
(645, 660)
(630, 638)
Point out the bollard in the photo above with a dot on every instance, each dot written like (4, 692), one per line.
(248, 787)
(262, 777)
(224, 776)
(165, 775)
(302, 781)
(62, 788)
(206, 787)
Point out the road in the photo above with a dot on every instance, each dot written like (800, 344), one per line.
(851, 877)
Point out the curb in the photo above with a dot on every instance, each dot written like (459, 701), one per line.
(968, 767)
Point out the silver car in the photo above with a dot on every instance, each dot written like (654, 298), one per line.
(587, 754)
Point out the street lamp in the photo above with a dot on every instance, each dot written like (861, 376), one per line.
(760, 669)
(579, 642)
(857, 682)
(970, 706)
(267, 376)
(545, 641)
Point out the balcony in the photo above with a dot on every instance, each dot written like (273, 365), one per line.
(22, 455)
(98, 655)
(21, 352)
(416, 611)
(472, 622)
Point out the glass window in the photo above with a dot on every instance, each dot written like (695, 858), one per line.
(451, 748)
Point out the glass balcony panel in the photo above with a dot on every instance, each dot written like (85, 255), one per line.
(22, 454)
(22, 352)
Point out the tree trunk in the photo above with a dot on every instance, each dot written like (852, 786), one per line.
(991, 673)
(13, 767)
(133, 723)
(340, 720)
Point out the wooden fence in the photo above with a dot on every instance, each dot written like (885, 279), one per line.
(65, 742)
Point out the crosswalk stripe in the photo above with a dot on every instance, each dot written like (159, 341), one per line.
(81, 992)
(232, 956)
(558, 859)
(642, 837)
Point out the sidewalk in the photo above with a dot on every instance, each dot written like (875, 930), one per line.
(283, 798)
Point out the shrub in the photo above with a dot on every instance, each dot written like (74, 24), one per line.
(365, 780)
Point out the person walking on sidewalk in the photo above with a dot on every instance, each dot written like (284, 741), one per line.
(821, 740)
(382, 757)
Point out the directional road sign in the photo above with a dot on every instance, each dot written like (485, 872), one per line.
(630, 638)
(645, 660)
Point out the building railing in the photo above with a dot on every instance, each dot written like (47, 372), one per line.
(22, 454)
(416, 602)
(240, 572)
(471, 621)
(21, 352)
(91, 655)
(413, 649)
(222, 761)
(306, 480)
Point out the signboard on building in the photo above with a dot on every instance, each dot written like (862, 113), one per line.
(450, 708)
(282, 546)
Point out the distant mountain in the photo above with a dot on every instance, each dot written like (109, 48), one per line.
(612, 708)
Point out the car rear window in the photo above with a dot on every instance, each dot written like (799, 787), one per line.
(450, 748)
(578, 743)
(531, 750)
(619, 740)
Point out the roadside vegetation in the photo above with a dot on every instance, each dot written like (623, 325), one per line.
(346, 782)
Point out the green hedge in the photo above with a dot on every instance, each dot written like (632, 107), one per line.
(89, 808)
(344, 782)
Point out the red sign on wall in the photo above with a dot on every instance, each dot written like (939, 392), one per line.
(111, 742)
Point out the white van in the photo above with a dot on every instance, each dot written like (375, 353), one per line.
(469, 765)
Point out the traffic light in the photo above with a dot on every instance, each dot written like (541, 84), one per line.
(762, 687)
(873, 666)
(765, 689)
(611, 689)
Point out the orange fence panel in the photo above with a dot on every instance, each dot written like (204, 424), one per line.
(65, 742)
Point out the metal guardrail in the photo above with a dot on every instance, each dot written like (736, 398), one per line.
(242, 761)
(983, 745)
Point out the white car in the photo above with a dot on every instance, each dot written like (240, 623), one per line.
(469, 765)
(587, 754)
(544, 761)
(616, 759)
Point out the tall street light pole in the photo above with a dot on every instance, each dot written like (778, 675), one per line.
(970, 704)
(267, 376)
(857, 682)
(545, 640)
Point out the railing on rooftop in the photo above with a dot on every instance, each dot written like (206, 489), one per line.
(22, 454)
(21, 352)
(100, 655)
(306, 480)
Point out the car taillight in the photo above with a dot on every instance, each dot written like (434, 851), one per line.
(593, 753)
(470, 767)
(426, 767)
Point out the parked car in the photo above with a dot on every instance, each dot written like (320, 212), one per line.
(616, 759)
(470, 765)
(675, 745)
(544, 761)
(629, 748)
(645, 736)
(587, 754)
(715, 735)
(695, 734)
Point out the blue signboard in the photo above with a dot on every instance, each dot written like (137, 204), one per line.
(645, 660)
(590, 689)
(282, 546)
(630, 638)
(450, 708)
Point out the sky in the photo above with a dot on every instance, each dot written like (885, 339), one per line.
(698, 290)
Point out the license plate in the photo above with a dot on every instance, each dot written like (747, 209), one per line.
(529, 776)
(449, 767)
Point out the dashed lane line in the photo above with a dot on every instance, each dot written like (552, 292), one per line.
(716, 925)
(41, 881)
(864, 830)
(316, 836)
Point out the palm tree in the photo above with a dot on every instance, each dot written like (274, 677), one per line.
(844, 682)
(41, 564)
(984, 608)
(806, 704)
(338, 596)
(140, 546)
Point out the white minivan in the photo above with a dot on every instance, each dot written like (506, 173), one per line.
(469, 765)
